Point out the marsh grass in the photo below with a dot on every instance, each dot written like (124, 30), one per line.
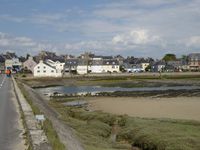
(94, 128)
(52, 136)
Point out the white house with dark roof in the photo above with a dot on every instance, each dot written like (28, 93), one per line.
(111, 65)
(97, 66)
(83, 66)
(43, 69)
(71, 65)
(13, 64)
(58, 65)
(105, 65)
(194, 61)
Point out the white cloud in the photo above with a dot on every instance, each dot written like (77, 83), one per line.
(16, 43)
(46, 18)
(193, 41)
(123, 26)
(7, 40)
(12, 18)
(138, 37)
(118, 39)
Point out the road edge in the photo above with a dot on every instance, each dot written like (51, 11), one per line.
(38, 139)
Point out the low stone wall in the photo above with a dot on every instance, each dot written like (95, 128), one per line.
(37, 136)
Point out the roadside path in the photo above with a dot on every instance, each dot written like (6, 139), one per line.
(11, 128)
(65, 133)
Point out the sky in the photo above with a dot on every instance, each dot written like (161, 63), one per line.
(142, 28)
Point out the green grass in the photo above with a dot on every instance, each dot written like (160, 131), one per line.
(52, 136)
(34, 108)
(162, 134)
(94, 128)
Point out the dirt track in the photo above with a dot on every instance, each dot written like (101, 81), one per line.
(175, 108)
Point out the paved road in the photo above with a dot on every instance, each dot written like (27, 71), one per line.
(10, 129)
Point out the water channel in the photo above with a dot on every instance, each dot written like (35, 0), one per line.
(97, 89)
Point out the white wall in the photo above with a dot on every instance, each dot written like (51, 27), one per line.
(96, 69)
(144, 65)
(43, 70)
(60, 66)
(57, 64)
(82, 69)
(111, 68)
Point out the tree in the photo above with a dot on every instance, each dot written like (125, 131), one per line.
(169, 57)
(27, 56)
(148, 68)
(185, 58)
(122, 69)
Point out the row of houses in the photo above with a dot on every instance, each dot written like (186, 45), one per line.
(90, 63)
(79, 66)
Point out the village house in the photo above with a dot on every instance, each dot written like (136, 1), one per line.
(104, 64)
(111, 65)
(174, 66)
(158, 66)
(83, 67)
(29, 64)
(97, 65)
(144, 65)
(43, 69)
(58, 65)
(13, 64)
(2, 59)
(120, 59)
(71, 65)
(194, 61)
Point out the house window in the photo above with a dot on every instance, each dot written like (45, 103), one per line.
(38, 71)
(44, 71)
(44, 67)
(38, 67)
(52, 70)
(113, 66)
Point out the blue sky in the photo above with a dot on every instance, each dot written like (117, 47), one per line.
(107, 27)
